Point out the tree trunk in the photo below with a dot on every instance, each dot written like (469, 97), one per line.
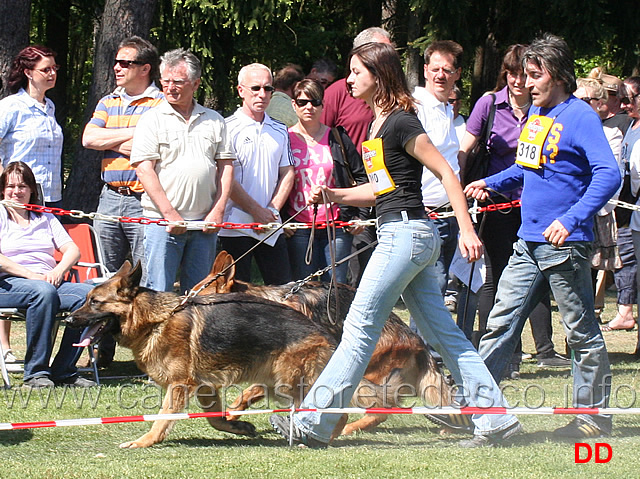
(414, 61)
(57, 34)
(120, 19)
(15, 16)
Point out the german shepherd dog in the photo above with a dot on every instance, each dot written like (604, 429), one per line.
(212, 342)
(400, 357)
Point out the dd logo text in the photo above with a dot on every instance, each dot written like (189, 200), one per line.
(585, 452)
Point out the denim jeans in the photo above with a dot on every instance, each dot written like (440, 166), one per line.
(403, 263)
(118, 239)
(43, 301)
(566, 270)
(192, 253)
(625, 277)
(321, 256)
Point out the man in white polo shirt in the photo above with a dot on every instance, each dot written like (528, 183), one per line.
(184, 160)
(441, 71)
(263, 178)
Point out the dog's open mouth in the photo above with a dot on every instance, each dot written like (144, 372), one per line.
(92, 335)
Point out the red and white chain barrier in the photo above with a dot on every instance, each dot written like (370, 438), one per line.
(520, 411)
(199, 225)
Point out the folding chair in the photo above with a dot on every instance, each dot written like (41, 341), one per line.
(90, 268)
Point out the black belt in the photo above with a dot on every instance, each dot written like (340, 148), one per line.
(123, 190)
(400, 216)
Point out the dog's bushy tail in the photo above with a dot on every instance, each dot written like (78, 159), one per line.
(431, 383)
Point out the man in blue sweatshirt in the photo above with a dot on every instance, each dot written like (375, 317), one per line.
(567, 172)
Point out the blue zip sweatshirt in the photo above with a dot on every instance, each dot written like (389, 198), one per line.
(578, 176)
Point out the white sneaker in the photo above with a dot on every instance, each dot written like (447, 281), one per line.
(9, 358)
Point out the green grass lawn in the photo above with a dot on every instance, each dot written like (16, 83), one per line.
(403, 446)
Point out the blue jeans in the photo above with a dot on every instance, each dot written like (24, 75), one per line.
(43, 301)
(192, 253)
(566, 270)
(625, 277)
(118, 239)
(321, 256)
(403, 263)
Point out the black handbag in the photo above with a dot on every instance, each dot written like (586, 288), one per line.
(623, 215)
(477, 164)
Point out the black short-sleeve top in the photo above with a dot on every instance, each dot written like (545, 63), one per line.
(404, 169)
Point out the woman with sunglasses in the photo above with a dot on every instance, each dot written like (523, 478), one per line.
(29, 131)
(322, 156)
(403, 262)
(625, 277)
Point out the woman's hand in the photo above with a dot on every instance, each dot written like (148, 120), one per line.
(318, 194)
(54, 277)
(354, 230)
(476, 190)
(470, 245)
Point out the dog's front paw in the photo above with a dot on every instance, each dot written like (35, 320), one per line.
(145, 440)
(130, 445)
(244, 428)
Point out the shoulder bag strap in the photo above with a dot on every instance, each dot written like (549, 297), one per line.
(489, 124)
(336, 135)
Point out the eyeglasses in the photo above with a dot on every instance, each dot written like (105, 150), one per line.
(444, 71)
(176, 83)
(451, 101)
(257, 88)
(627, 100)
(48, 70)
(126, 63)
(588, 98)
(302, 102)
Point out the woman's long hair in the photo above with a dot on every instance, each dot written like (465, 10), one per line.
(383, 62)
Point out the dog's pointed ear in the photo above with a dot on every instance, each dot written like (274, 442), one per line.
(224, 283)
(129, 279)
(124, 269)
(230, 273)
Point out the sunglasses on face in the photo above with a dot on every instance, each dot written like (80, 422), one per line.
(126, 63)
(257, 88)
(627, 100)
(588, 98)
(302, 103)
(451, 101)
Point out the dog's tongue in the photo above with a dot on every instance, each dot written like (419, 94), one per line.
(87, 335)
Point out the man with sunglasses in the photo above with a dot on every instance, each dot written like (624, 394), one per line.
(263, 178)
(110, 130)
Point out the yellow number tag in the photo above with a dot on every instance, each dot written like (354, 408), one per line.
(532, 140)
(373, 158)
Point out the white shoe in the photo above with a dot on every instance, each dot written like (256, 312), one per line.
(9, 358)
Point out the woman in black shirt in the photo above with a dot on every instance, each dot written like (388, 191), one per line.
(402, 262)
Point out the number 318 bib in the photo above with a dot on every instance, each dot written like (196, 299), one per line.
(532, 140)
